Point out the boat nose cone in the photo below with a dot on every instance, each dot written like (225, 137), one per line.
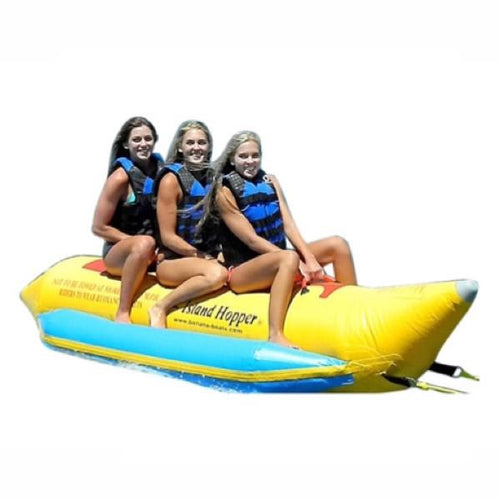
(467, 289)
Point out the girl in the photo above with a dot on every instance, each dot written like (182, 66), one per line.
(256, 221)
(187, 262)
(124, 214)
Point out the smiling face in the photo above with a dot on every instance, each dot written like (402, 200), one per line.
(194, 147)
(140, 144)
(247, 159)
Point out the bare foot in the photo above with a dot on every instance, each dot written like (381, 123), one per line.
(280, 339)
(123, 317)
(156, 317)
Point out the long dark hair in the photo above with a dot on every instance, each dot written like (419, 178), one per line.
(118, 148)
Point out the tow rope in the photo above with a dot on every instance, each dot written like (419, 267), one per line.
(425, 386)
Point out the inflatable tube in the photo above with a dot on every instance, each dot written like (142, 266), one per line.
(210, 360)
(397, 331)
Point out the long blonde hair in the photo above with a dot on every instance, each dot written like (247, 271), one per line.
(174, 155)
(220, 167)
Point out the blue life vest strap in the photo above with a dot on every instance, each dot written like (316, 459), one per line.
(193, 192)
(126, 163)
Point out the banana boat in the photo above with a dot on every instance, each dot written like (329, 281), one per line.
(353, 338)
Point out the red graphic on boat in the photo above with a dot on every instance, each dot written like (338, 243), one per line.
(328, 283)
(96, 265)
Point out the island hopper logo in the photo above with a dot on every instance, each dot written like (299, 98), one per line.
(222, 313)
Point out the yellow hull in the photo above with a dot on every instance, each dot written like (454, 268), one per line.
(400, 328)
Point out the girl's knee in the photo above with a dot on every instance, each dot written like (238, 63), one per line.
(217, 275)
(144, 246)
(289, 258)
(340, 245)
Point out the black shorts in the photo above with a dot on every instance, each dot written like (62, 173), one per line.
(106, 248)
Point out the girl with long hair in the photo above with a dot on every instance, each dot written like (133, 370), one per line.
(256, 222)
(124, 215)
(187, 263)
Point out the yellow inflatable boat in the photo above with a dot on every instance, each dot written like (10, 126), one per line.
(388, 336)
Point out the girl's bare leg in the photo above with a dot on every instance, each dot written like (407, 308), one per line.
(336, 251)
(275, 270)
(129, 259)
(192, 277)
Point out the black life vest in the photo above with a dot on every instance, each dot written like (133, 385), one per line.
(136, 216)
(193, 191)
(258, 202)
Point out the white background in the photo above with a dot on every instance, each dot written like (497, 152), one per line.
(381, 119)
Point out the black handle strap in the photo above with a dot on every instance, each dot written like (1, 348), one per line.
(451, 371)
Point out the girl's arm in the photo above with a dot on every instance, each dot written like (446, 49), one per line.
(239, 225)
(114, 190)
(169, 196)
(309, 266)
